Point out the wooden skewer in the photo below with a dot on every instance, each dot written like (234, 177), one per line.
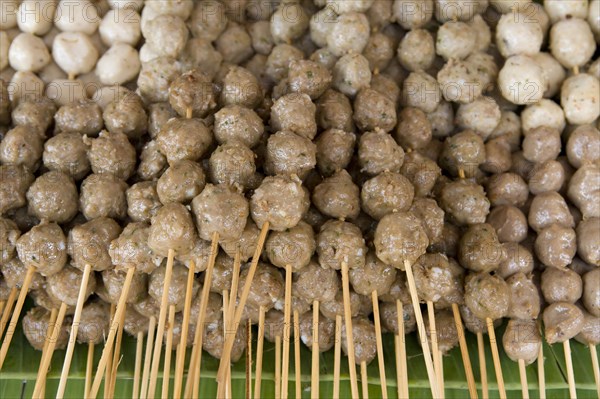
(249, 360)
(259, 352)
(349, 334)
(482, 367)
(435, 350)
(570, 373)
(401, 367)
(496, 357)
(442, 386)
(287, 331)
(162, 319)
(378, 337)
(109, 363)
(595, 368)
(464, 351)
(225, 359)
(74, 329)
(314, 373)
(139, 350)
(168, 353)
(223, 386)
(147, 357)
(49, 331)
(89, 369)
(2, 304)
(433, 381)
(277, 367)
(235, 281)
(297, 366)
(10, 332)
(364, 380)
(523, 376)
(337, 356)
(112, 334)
(8, 305)
(116, 356)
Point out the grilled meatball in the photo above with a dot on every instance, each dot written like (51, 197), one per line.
(517, 259)
(177, 288)
(326, 329)
(562, 321)
(447, 335)
(240, 87)
(83, 117)
(308, 77)
(232, 163)
(487, 296)
(339, 242)
(199, 254)
(480, 249)
(222, 274)
(67, 153)
(45, 247)
(112, 153)
(142, 201)
(431, 216)
(22, 145)
(294, 246)
(65, 285)
(266, 288)
(375, 276)
(192, 92)
(414, 129)
(289, 153)
(547, 209)
(546, 176)
(15, 183)
(421, 171)
(363, 333)
(591, 292)
(126, 115)
(103, 195)
(583, 146)
(439, 279)
(524, 297)
(214, 341)
(561, 285)
(385, 193)
(9, 234)
(147, 307)
(152, 161)
(378, 152)
(53, 197)
(584, 190)
(337, 196)
(373, 109)
(334, 150)
(114, 280)
(464, 151)
(522, 340)
(36, 323)
(556, 246)
(281, 201)
(295, 113)
(236, 123)
(507, 189)
(316, 283)
(37, 113)
(220, 209)
(334, 111)
(158, 115)
(172, 228)
(135, 323)
(246, 243)
(94, 323)
(509, 223)
(181, 139)
(590, 333)
(14, 272)
(89, 243)
(389, 317)
(181, 182)
(335, 306)
(131, 249)
(464, 202)
(399, 238)
(214, 308)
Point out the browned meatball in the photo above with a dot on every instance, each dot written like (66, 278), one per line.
(517, 259)
(562, 321)
(236, 123)
(147, 307)
(375, 276)
(372, 110)
(89, 243)
(214, 308)
(14, 272)
(267, 286)
(289, 153)
(94, 323)
(464, 202)
(220, 209)
(37, 113)
(240, 87)
(509, 223)
(222, 274)
(114, 280)
(363, 334)
(385, 193)
(487, 296)
(378, 152)
(389, 317)
(15, 183)
(507, 189)
(520, 165)
(45, 247)
(83, 117)
(308, 77)
(546, 176)
(36, 325)
(135, 323)
(447, 335)
(439, 279)
(334, 111)
(281, 201)
(5, 105)
(177, 288)
(142, 201)
(295, 113)
(112, 153)
(316, 283)
(584, 190)
(498, 158)
(399, 238)
(334, 150)
(172, 228)
(591, 292)
(274, 325)
(421, 171)
(103, 195)
(158, 115)
(181, 139)
(214, 341)
(131, 249)
(126, 115)
(67, 153)
(294, 246)
(22, 145)
(556, 245)
(9, 234)
(246, 243)
(199, 254)
(53, 197)
(326, 329)
(583, 146)
(561, 285)
(473, 323)
(414, 129)
(232, 163)
(547, 209)
(448, 242)
(431, 216)
(464, 151)
(480, 249)
(522, 340)
(590, 333)
(541, 144)
(65, 285)
(152, 162)
(181, 182)
(337, 196)
(524, 297)
(588, 240)
(341, 242)
(192, 94)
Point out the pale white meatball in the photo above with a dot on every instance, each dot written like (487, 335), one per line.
(36, 16)
(460, 81)
(51, 72)
(553, 71)
(8, 14)
(288, 22)
(594, 68)
(416, 50)
(483, 34)
(321, 23)
(28, 53)
(521, 80)
(536, 13)
(504, 7)
(572, 42)
(455, 40)
(515, 34)
(482, 116)
(74, 53)
(345, 6)
(25, 85)
(166, 35)
(4, 45)
(566, 9)
(580, 99)
(412, 14)
(147, 54)
(121, 26)
(351, 73)
(594, 17)
(126, 4)
(350, 33)
(147, 15)
(180, 8)
(77, 16)
(544, 113)
(463, 10)
(118, 65)
(421, 90)
(65, 91)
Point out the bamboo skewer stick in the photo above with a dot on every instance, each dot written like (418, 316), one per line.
(147, 357)
(297, 366)
(111, 336)
(349, 335)
(287, 331)
(259, 352)
(117, 355)
(496, 357)
(464, 351)
(222, 385)
(2, 304)
(277, 367)
(89, 369)
(139, 350)
(10, 332)
(482, 366)
(364, 380)
(380, 359)
(8, 306)
(74, 329)
(523, 377)
(540, 367)
(337, 356)
(314, 373)
(401, 367)
(49, 331)
(595, 368)
(249, 360)
(435, 350)
(570, 373)
(168, 353)
(109, 363)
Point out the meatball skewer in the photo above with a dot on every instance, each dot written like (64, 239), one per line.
(400, 346)
(148, 357)
(349, 332)
(169, 352)
(48, 337)
(287, 330)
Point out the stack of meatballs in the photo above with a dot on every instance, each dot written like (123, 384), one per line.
(460, 136)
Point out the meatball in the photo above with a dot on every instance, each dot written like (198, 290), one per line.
(414, 129)
(267, 286)
(222, 274)
(378, 152)
(294, 246)
(37, 113)
(334, 111)
(172, 228)
(541, 144)
(546, 176)
(389, 317)
(524, 73)
(158, 115)
(112, 153)
(236, 123)
(562, 321)
(400, 238)
(487, 296)
(464, 152)
(214, 340)
(83, 117)
(16, 180)
(583, 146)
(422, 172)
(126, 115)
(556, 245)
(142, 201)
(9, 234)
(177, 288)
(480, 249)
(200, 255)
(522, 340)
(373, 109)
(289, 153)
(22, 145)
(341, 242)
(246, 243)
(45, 247)
(591, 292)
(375, 276)
(337, 196)
(232, 163)
(114, 280)
(385, 193)
(509, 223)
(584, 190)
(316, 283)
(65, 285)
(94, 323)
(295, 113)
(36, 324)
(561, 285)
(240, 87)
(67, 153)
(181, 182)
(131, 249)
(181, 139)
(135, 323)
(220, 209)
(14, 272)
(431, 216)
(465, 202)
(89, 242)
(308, 77)
(439, 279)
(547, 209)
(326, 329)
(579, 99)
(103, 195)
(192, 94)
(590, 333)
(363, 334)
(447, 335)
(53, 197)
(152, 162)
(351, 73)
(588, 240)
(334, 150)
(517, 259)
(524, 297)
